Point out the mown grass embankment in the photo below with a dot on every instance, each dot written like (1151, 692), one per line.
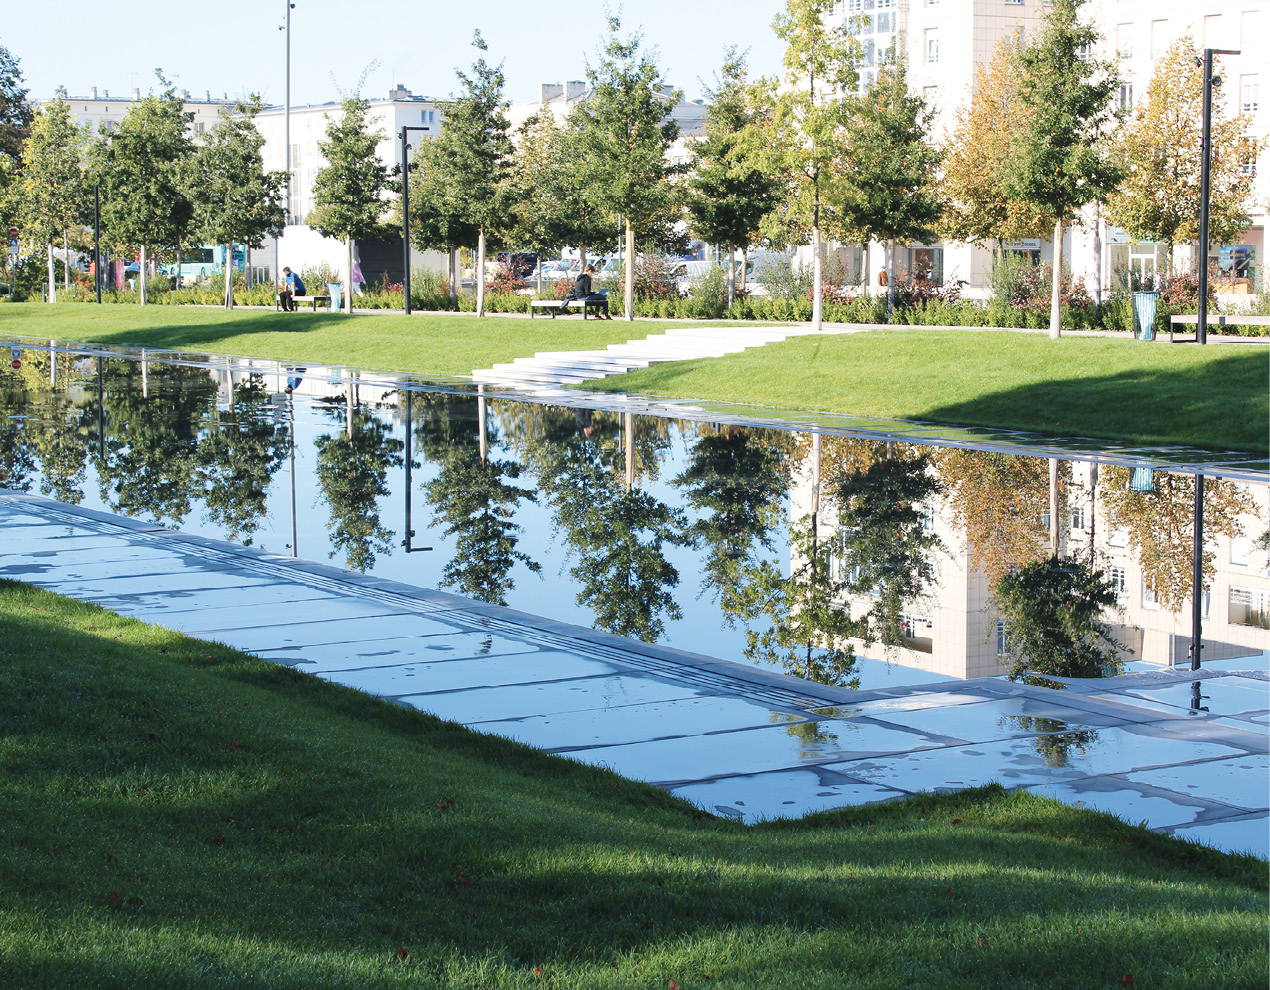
(178, 814)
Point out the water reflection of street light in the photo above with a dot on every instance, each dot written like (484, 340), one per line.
(409, 482)
(1201, 324)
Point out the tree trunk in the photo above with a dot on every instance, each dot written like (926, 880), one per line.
(453, 257)
(229, 275)
(731, 275)
(1056, 290)
(52, 282)
(817, 275)
(480, 273)
(141, 276)
(745, 268)
(66, 264)
(628, 295)
(1054, 506)
(539, 253)
(348, 287)
(890, 278)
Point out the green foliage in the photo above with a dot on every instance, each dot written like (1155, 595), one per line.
(346, 191)
(52, 179)
(16, 112)
(352, 468)
(1053, 611)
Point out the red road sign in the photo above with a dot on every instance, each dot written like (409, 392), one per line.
(13, 231)
(17, 364)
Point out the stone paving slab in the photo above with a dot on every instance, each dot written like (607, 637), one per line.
(736, 740)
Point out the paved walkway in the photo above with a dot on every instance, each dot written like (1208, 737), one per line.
(1186, 753)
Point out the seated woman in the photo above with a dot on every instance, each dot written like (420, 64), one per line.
(582, 290)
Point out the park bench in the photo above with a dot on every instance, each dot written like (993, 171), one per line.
(1218, 320)
(558, 306)
(325, 300)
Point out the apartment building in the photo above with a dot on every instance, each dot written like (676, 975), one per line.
(944, 41)
(99, 110)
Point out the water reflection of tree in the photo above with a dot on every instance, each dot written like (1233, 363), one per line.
(471, 495)
(1161, 526)
(809, 624)
(1053, 741)
(239, 456)
(63, 434)
(352, 469)
(616, 532)
(1001, 500)
(1053, 610)
(738, 479)
(887, 550)
(151, 449)
(17, 454)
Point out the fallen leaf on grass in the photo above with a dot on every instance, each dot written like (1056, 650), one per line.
(1127, 980)
(402, 953)
(234, 745)
(464, 880)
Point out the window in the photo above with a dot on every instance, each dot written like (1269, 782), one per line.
(1014, 3)
(1078, 518)
(1125, 99)
(1124, 40)
(1003, 637)
(1247, 153)
(1116, 577)
(932, 46)
(915, 631)
(927, 516)
(1159, 38)
(1249, 607)
(1149, 597)
(1240, 547)
(1084, 51)
(1248, 94)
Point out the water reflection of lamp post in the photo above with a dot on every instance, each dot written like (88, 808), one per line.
(409, 476)
(291, 423)
(1197, 586)
(1201, 325)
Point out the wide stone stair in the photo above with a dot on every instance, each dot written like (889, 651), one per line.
(555, 368)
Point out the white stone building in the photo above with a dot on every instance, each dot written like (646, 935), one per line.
(99, 109)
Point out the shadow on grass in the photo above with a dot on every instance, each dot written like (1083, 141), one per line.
(1222, 405)
(249, 817)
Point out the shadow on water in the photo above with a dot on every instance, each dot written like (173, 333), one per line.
(1139, 398)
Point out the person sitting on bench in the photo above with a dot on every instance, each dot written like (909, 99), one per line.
(292, 287)
(581, 291)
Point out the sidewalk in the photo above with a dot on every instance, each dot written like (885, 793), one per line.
(1185, 753)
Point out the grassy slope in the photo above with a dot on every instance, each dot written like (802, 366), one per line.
(180, 815)
(428, 344)
(1212, 397)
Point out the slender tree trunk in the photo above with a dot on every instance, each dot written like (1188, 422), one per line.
(229, 275)
(817, 275)
(539, 253)
(52, 283)
(348, 288)
(480, 273)
(890, 278)
(141, 275)
(1056, 290)
(1054, 506)
(66, 266)
(629, 294)
(453, 256)
(1098, 261)
(731, 275)
(745, 268)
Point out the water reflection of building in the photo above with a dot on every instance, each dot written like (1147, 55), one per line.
(951, 628)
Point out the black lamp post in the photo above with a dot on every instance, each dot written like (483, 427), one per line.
(1201, 325)
(405, 209)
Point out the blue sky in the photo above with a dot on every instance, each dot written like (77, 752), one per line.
(219, 47)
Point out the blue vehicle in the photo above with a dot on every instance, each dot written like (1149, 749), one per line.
(197, 263)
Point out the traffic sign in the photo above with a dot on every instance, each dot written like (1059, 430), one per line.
(16, 354)
(17, 364)
(13, 233)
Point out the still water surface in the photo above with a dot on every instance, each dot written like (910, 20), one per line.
(846, 559)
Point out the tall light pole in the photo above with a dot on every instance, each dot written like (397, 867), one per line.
(1201, 323)
(405, 208)
(286, 114)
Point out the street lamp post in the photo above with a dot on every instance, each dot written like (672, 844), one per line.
(286, 114)
(405, 208)
(1201, 325)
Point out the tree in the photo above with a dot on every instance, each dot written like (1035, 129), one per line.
(625, 134)
(347, 191)
(1059, 163)
(729, 193)
(1053, 612)
(886, 190)
(977, 159)
(1159, 200)
(803, 136)
(235, 199)
(52, 192)
(141, 168)
(16, 113)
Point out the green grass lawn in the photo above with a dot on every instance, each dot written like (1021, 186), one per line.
(1214, 396)
(177, 814)
(441, 344)
(1110, 388)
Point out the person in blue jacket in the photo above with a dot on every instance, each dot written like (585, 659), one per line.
(292, 287)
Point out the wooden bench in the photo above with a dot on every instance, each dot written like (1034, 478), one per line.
(326, 300)
(1218, 320)
(557, 306)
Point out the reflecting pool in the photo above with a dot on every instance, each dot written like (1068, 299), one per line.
(846, 559)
